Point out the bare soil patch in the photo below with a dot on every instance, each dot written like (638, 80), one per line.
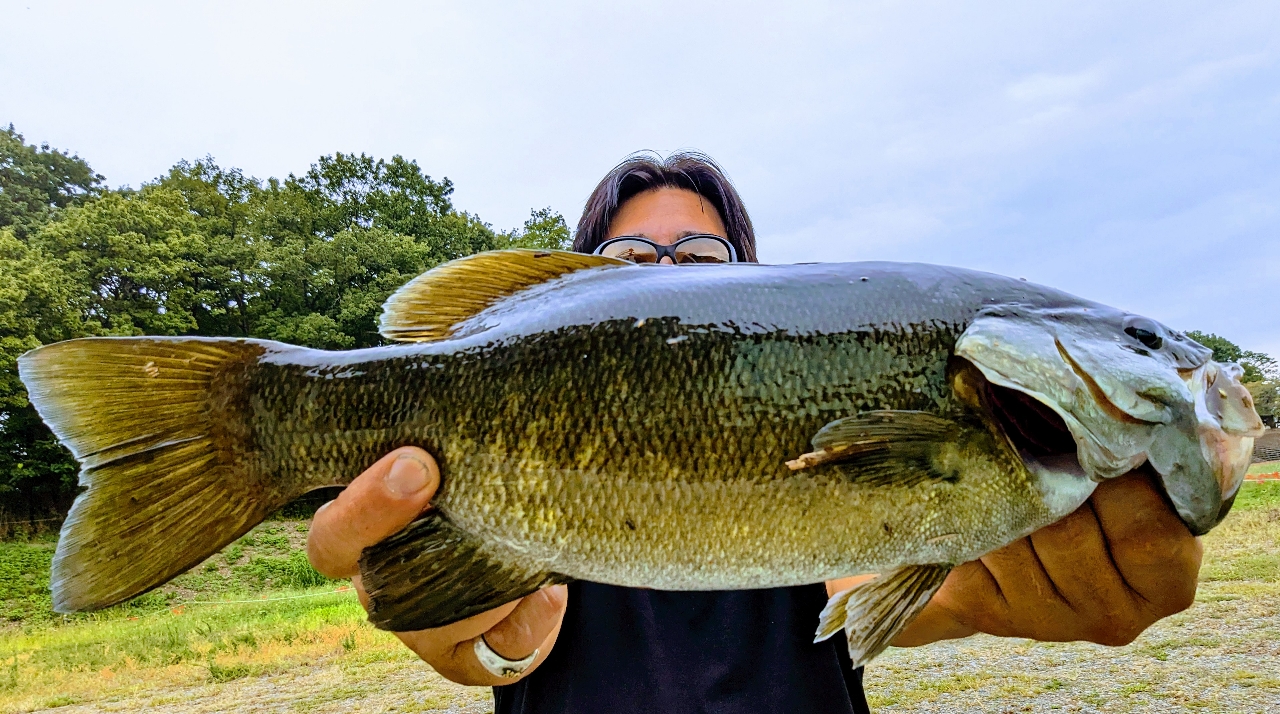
(1222, 655)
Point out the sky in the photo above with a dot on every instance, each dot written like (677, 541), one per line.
(1125, 152)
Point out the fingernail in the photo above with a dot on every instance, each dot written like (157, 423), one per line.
(406, 477)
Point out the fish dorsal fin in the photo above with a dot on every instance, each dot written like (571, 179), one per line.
(429, 307)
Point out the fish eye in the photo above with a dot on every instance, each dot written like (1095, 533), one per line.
(1146, 332)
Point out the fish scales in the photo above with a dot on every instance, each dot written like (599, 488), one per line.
(707, 427)
(678, 428)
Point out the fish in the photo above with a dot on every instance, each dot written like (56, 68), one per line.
(680, 428)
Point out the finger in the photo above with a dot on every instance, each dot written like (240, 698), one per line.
(1075, 554)
(935, 622)
(429, 642)
(520, 633)
(971, 596)
(379, 502)
(530, 623)
(1153, 551)
(1032, 604)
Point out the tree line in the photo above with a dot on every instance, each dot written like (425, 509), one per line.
(206, 250)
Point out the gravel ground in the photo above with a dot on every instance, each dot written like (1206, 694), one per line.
(319, 689)
(1222, 655)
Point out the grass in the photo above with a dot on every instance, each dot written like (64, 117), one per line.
(1268, 467)
(301, 643)
(254, 609)
(269, 558)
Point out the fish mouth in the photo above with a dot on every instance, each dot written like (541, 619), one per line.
(1039, 434)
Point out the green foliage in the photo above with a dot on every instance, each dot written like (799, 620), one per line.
(1257, 366)
(38, 304)
(164, 638)
(206, 250)
(290, 572)
(1266, 397)
(36, 182)
(545, 229)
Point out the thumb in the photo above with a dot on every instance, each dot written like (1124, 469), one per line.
(379, 502)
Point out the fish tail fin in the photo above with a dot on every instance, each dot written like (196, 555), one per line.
(874, 612)
(167, 460)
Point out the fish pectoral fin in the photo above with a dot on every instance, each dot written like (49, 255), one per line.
(873, 613)
(882, 447)
(433, 573)
(429, 307)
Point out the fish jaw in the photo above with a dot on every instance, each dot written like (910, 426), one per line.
(1125, 401)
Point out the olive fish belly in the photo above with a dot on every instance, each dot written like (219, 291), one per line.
(737, 532)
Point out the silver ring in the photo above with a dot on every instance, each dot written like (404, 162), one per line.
(500, 666)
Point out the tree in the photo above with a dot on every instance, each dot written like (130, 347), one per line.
(226, 207)
(134, 257)
(1257, 366)
(37, 305)
(545, 229)
(343, 236)
(36, 182)
(1266, 399)
(205, 250)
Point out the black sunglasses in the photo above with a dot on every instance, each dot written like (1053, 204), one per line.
(699, 248)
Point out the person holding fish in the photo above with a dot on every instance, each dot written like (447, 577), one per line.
(634, 477)
(1104, 573)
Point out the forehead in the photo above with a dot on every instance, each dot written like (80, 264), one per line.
(666, 214)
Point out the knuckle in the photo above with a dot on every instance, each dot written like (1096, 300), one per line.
(1176, 600)
(1115, 629)
(1114, 636)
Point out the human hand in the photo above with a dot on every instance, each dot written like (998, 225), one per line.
(382, 500)
(1103, 574)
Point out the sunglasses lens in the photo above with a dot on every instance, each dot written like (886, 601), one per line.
(633, 250)
(702, 250)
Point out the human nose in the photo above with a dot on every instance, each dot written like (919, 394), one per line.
(666, 260)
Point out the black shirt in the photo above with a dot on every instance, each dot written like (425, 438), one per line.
(626, 650)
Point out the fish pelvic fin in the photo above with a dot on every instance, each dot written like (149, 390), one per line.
(873, 613)
(885, 447)
(166, 458)
(433, 573)
(429, 307)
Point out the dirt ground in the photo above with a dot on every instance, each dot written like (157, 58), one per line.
(1222, 655)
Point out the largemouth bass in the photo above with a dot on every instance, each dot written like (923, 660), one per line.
(693, 428)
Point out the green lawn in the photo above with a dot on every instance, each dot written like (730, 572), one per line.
(1267, 467)
(300, 642)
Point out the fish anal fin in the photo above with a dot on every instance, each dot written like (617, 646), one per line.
(883, 447)
(873, 613)
(430, 306)
(433, 573)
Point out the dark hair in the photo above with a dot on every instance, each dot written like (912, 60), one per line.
(644, 171)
